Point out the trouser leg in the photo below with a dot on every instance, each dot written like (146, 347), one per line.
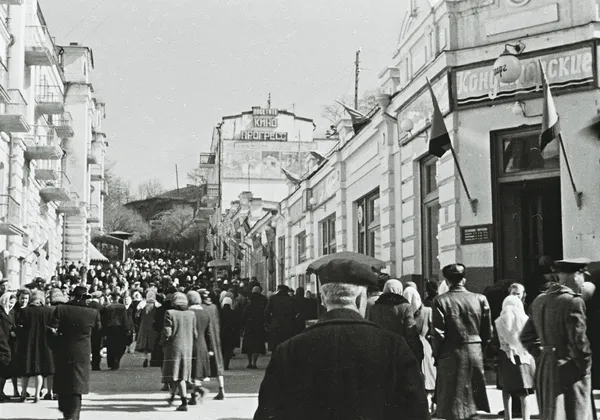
(96, 347)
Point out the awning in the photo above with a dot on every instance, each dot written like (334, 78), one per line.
(95, 255)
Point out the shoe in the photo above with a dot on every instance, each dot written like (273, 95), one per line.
(249, 367)
(55, 397)
(201, 391)
(165, 388)
(36, 400)
(48, 397)
(184, 405)
(145, 363)
(194, 399)
(220, 396)
(171, 399)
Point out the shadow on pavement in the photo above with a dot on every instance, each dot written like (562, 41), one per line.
(126, 408)
(234, 418)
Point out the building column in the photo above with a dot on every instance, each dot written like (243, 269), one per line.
(387, 202)
(409, 223)
(341, 208)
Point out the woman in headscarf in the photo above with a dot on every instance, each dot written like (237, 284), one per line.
(230, 330)
(255, 335)
(178, 336)
(201, 358)
(516, 367)
(146, 338)
(156, 359)
(392, 312)
(35, 356)
(7, 343)
(423, 318)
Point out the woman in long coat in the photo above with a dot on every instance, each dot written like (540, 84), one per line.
(35, 356)
(178, 338)
(146, 338)
(217, 368)
(230, 330)
(201, 358)
(255, 334)
(7, 343)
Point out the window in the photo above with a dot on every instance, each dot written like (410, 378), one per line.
(327, 229)
(521, 152)
(367, 219)
(430, 218)
(281, 259)
(301, 247)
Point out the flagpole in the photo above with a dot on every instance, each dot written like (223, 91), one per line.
(472, 201)
(578, 194)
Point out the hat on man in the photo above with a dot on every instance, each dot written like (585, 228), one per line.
(454, 273)
(80, 292)
(344, 270)
(572, 265)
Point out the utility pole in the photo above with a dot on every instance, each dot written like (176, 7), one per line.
(357, 72)
(177, 178)
(269, 101)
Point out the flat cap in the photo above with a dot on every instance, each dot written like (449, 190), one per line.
(454, 272)
(571, 265)
(80, 292)
(343, 270)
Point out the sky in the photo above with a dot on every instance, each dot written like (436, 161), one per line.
(168, 70)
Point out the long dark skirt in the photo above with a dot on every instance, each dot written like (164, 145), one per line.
(157, 356)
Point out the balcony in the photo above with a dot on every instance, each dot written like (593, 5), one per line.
(71, 207)
(96, 173)
(4, 95)
(212, 193)
(103, 188)
(39, 46)
(57, 190)
(63, 125)
(207, 160)
(94, 214)
(10, 216)
(49, 99)
(14, 118)
(47, 174)
(92, 156)
(44, 145)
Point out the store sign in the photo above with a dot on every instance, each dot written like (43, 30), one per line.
(419, 111)
(263, 135)
(265, 112)
(327, 187)
(564, 69)
(264, 122)
(479, 234)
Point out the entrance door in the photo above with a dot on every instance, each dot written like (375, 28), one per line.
(531, 226)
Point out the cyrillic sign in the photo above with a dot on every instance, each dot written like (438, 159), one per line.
(263, 135)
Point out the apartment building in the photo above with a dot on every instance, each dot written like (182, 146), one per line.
(52, 147)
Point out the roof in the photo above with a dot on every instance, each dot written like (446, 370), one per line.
(95, 255)
(188, 193)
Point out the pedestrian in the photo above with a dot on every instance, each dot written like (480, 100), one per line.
(461, 327)
(8, 336)
(146, 337)
(217, 365)
(516, 367)
(35, 357)
(431, 291)
(117, 330)
(72, 325)
(230, 330)
(556, 335)
(157, 357)
(178, 336)
(393, 312)
(280, 315)
(200, 353)
(253, 320)
(96, 336)
(330, 372)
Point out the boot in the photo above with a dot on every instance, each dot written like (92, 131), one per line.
(184, 405)
(194, 399)
(220, 395)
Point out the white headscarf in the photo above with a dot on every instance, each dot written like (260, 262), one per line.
(226, 301)
(412, 295)
(5, 302)
(509, 325)
(393, 286)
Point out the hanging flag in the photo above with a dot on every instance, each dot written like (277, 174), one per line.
(240, 255)
(256, 241)
(290, 177)
(271, 261)
(265, 251)
(320, 158)
(246, 225)
(225, 247)
(359, 120)
(550, 122)
(439, 139)
(211, 229)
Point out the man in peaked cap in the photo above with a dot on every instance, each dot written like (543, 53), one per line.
(343, 367)
(556, 335)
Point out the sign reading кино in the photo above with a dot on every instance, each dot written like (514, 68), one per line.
(570, 68)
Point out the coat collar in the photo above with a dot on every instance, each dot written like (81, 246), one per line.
(457, 289)
(341, 316)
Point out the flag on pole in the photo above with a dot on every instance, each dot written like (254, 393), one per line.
(265, 251)
(439, 139)
(550, 122)
(359, 120)
(246, 225)
(320, 158)
(211, 228)
(225, 247)
(290, 177)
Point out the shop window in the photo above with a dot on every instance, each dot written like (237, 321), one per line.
(301, 247)
(367, 219)
(521, 153)
(281, 258)
(327, 229)
(430, 218)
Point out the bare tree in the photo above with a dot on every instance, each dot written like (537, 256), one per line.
(150, 188)
(178, 226)
(120, 218)
(366, 102)
(197, 176)
(118, 190)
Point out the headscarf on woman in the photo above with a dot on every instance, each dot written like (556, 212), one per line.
(57, 296)
(226, 301)
(393, 286)
(5, 302)
(509, 325)
(194, 299)
(179, 302)
(150, 299)
(412, 295)
(38, 298)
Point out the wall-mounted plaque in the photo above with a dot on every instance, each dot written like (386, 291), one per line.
(479, 234)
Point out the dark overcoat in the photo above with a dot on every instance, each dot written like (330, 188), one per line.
(280, 315)
(7, 345)
(35, 356)
(343, 367)
(201, 364)
(230, 330)
(461, 327)
(253, 320)
(217, 364)
(74, 323)
(556, 335)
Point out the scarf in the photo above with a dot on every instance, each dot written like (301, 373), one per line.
(509, 325)
(5, 302)
(412, 295)
(393, 286)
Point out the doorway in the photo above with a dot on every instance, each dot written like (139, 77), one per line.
(530, 226)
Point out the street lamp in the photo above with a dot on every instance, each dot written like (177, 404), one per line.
(507, 67)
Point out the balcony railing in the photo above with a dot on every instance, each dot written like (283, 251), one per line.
(96, 172)
(212, 190)
(71, 207)
(13, 120)
(63, 124)
(49, 99)
(44, 144)
(39, 46)
(10, 216)
(94, 214)
(57, 190)
(207, 160)
(92, 157)
(4, 94)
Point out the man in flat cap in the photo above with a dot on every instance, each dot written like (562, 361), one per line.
(343, 367)
(462, 326)
(72, 325)
(117, 329)
(556, 335)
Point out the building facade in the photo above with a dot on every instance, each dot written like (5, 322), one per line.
(51, 142)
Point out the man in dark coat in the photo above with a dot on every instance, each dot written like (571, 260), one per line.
(280, 315)
(343, 367)
(72, 325)
(96, 335)
(556, 335)
(117, 329)
(461, 327)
